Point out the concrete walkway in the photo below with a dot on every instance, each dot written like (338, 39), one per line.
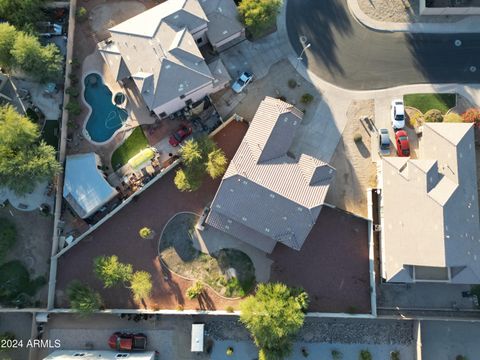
(468, 25)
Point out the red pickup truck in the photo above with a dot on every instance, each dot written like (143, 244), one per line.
(127, 342)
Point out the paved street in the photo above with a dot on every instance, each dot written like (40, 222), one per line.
(347, 54)
(444, 340)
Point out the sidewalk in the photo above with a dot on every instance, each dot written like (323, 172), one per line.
(468, 25)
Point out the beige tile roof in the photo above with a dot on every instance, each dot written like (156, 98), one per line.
(430, 206)
(266, 190)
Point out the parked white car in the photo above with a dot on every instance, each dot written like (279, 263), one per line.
(397, 114)
(244, 79)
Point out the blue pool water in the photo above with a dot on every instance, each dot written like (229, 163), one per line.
(106, 117)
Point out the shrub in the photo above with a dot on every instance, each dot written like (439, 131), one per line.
(229, 309)
(452, 118)
(73, 91)
(229, 351)
(433, 115)
(461, 357)
(351, 310)
(301, 297)
(394, 355)
(73, 107)
(111, 271)
(337, 355)
(82, 14)
(357, 137)
(83, 298)
(305, 352)
(415, 119)
(233, 287)
(259, 15)
(292, 83)
(195, 290)
(8, 236)
(179, 308)
(146, 233)
(472, 116)
(306, 98)
(365, 355)
(141, 285)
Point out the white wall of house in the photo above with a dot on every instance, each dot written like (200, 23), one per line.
(178, 103)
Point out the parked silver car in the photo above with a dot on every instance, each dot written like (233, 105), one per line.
(383, 142)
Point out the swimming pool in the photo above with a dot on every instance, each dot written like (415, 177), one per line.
(105, 117)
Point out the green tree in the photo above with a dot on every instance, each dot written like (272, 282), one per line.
(259, 15)
(8, 236)
(217, 163)
(195, 290)
(42, 62)
(199, 157)
(8, 33)
(23, 14)
(111, 271)
(25, 160)
(146, 233)
(83, 298)
(141, 285)
(273, 316)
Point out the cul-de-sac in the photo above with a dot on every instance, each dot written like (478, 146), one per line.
(239, 179)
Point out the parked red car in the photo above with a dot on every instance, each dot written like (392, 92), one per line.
(127, 342)
(403, 146)
(178, 136)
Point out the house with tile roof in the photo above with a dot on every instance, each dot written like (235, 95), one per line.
(429, 210)
(159, 50)
(268, 196)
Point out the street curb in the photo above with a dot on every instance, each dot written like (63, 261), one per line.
(458, 27)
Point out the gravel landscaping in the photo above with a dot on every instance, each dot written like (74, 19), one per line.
(401, 11)
(220, 270)
(344, 331)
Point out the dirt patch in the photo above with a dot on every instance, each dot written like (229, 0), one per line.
(33, 246)
(353, 160)
(219, 270)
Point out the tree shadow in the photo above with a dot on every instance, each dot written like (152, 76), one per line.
(205, 301)
(363, 149)
(173, 286)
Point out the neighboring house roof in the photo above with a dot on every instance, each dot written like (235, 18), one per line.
(223, 19)
(9, 95)
(430, 207)
(85, 187)
(265, 194)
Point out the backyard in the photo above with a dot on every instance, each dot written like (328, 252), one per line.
(119, 236)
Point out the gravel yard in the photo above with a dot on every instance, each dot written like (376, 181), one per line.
(353, 161)
(321, 330)
(401, 11)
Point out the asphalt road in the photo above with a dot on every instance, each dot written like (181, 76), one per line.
(346, 53)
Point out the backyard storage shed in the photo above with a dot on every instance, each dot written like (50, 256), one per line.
(85, 188)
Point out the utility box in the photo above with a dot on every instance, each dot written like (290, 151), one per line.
(198, 332)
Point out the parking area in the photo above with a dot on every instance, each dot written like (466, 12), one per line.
(119, 236)
(332, 265)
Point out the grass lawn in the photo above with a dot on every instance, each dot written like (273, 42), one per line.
(50, 133)
(425, 102)
(135, 143)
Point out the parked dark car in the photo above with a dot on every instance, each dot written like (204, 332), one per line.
(127, 342)
(178, 136)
